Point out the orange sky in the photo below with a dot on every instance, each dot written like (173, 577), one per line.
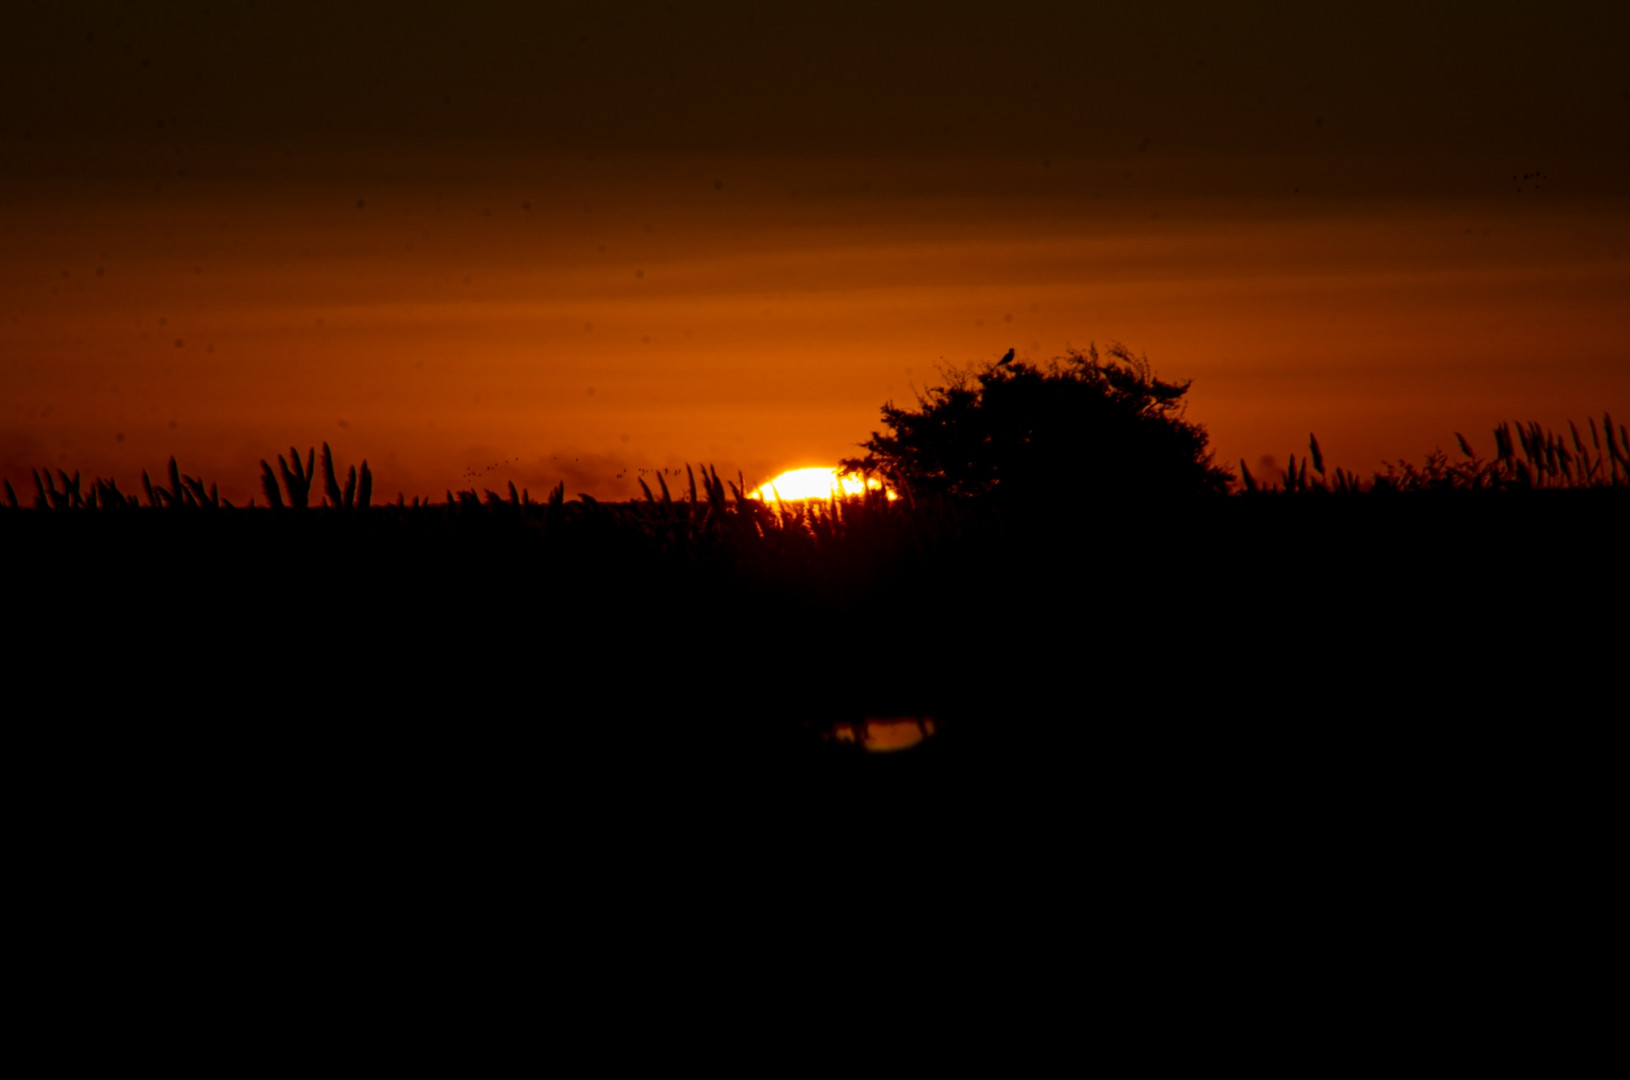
(573, 329)
(575, 243)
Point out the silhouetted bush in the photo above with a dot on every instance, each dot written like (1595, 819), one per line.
(1086, 426)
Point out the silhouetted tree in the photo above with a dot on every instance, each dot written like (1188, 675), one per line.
(1086, 425)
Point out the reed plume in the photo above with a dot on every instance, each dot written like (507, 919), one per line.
(297, 480)
(331, 483)
(268, 484)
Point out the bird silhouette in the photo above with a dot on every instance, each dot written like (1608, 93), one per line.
(1007, 358)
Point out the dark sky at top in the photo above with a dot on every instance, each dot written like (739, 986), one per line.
(1414, 86)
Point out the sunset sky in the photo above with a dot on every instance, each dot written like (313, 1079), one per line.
(547, 242)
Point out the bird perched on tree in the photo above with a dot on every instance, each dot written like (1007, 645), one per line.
(1006, 359)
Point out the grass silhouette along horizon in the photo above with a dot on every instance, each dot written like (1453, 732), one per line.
(1155, 608)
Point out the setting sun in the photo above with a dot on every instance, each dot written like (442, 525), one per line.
(814, 483)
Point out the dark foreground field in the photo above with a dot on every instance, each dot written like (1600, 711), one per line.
(1322, 755)
(1372, 744)
(1211, 634)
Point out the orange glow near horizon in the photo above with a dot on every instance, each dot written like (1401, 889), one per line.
(797, 485)
(887, 734)
(469, 335)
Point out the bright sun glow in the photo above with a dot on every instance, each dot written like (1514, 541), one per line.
(818, 483)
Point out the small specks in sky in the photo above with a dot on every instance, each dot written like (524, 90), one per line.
(361, 203)
(718, 185)
(639, 273)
